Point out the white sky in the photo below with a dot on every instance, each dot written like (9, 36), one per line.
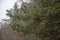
(7, 4)
(4, 5)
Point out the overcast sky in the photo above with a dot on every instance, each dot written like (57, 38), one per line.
(7, 4)
(4, 5)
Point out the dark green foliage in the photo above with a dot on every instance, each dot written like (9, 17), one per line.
(41, 18)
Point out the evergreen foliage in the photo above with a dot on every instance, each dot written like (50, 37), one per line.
(41, 18)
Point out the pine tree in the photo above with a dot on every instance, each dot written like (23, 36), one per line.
(41, 18)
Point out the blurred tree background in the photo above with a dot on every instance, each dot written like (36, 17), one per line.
(39, 17)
